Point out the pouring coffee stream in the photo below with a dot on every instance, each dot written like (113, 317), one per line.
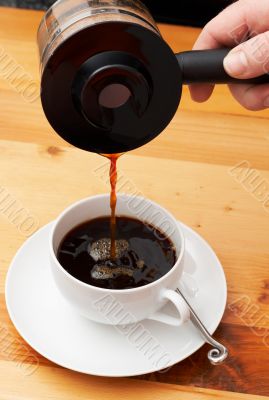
(113, 200)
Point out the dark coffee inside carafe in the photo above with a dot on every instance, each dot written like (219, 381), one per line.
(104, 66)
(143, 254)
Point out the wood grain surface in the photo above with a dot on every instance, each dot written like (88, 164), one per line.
(189, 169)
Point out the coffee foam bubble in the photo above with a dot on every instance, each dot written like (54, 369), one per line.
(100, 250)
(106, 272)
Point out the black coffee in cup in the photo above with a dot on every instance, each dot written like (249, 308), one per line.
(143, 253)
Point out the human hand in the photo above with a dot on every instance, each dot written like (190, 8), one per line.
(244, 26)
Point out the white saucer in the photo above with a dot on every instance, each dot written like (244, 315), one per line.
(47, 323)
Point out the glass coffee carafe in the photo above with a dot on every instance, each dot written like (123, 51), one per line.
(109, 82)
(103, 68)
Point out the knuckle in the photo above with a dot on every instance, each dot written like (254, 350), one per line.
(252, 102)
(257, 49)
(252, 107)
(249, 97)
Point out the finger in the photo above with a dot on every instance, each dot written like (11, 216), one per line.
(234, 25)
(214, 35)
(201, 93)
(252, 97)
(249, 59)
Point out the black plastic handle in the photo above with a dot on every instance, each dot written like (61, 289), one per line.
(206, 66)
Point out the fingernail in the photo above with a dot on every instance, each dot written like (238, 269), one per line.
(266, 102)
(235, 64)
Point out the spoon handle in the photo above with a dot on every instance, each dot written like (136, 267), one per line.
(219, 352)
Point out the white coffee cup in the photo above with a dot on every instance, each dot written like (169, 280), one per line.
(124, 306)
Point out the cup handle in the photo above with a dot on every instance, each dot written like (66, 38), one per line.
(179, 303)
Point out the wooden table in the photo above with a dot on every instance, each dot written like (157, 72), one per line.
(190, 170)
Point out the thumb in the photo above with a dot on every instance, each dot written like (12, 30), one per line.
(249, 59)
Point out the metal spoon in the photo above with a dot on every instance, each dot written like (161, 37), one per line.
(219, 352)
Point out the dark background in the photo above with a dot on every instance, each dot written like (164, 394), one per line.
(185, 12)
